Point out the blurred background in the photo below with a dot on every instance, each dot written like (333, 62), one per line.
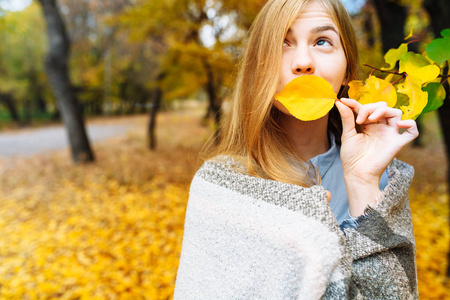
(104, 107)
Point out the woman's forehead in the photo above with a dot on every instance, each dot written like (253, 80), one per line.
(313, 29)
(316, 17)
(315, 9)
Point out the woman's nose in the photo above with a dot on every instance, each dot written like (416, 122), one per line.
(303, 63)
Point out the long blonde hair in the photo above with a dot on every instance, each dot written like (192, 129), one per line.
(250, 132)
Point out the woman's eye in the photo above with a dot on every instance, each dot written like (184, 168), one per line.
(286, 44)
(323, 42)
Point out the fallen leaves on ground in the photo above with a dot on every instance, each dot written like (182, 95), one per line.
(95, 240)
(109, 230)
(431, 230)
(113, 230)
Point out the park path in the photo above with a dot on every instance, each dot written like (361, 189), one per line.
(34, 141)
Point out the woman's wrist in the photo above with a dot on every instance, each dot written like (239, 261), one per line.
(366, 178)
(361, 193)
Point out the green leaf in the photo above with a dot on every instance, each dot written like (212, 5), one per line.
(418, 66)
(446, 32)
(436, 96)
(393, 55)
(439, 49)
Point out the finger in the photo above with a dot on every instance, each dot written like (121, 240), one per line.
(348, 120)
(386, 115)
(328, 196)
(353, 104)
(367, 109)
(363, 111)
(411, 130)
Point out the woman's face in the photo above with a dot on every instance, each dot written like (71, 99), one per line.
(313, 47)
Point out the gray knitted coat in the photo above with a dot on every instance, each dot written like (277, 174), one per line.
(252, 238)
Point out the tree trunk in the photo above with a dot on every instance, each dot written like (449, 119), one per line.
(157, 98)
(444, 117)
(8, 101)
(36, 92)
(56, 65)
(27, 111)
(392, 18)
(439, 11)
(41, 105)
(368, 24)
(142, 100)
(214, 106)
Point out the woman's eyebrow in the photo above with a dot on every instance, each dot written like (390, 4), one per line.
(320, 29)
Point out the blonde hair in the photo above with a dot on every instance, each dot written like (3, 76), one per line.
(250, 132)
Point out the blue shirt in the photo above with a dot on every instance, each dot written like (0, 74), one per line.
(330, 168)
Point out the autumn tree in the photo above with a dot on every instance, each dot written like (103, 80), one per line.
(56, 64)
(229, 21)
(180, 60)
(104, 65)
(24, 86)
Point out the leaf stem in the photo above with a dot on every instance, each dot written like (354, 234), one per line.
(384, 71)
(414, 41)
(398, 80)
(397, 73)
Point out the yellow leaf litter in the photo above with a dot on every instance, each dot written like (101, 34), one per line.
(109, 231)
(96, 240)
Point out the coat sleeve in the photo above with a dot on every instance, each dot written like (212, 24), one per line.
(383, 245)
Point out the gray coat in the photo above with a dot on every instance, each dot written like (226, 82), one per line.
(253, 238)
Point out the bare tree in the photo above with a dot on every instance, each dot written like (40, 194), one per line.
(56, 65)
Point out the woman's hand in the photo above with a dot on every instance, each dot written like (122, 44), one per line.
(367, 154)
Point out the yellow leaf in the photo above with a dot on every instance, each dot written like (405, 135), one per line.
(389, 77)
(356, 89)
(393, 55)
(375, 90)
(307, 97)
(417, 98)
(418, 66)
(410, 34)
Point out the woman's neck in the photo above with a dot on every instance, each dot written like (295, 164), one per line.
(310, 138)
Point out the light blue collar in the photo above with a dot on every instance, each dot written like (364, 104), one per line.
(325, 160)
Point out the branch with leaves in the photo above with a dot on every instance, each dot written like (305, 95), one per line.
(418, 90)
(420, 87)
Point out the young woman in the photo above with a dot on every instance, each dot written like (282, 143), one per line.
(260, 223)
